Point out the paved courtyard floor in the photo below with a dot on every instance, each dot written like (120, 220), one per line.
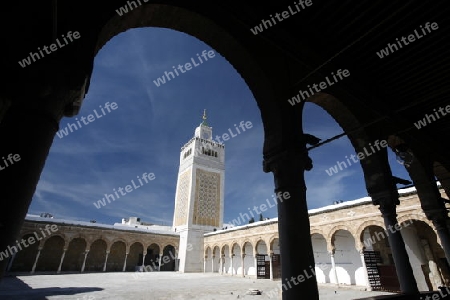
(153, 286)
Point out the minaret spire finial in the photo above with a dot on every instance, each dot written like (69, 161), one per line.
(204, 118)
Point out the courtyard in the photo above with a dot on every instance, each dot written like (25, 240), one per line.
(154, 286)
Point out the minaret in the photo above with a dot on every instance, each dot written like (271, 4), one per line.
(199, 195)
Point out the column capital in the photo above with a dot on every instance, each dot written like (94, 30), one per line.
(386, 199)
(287, 167)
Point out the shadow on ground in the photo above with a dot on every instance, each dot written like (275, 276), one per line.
(14, 288)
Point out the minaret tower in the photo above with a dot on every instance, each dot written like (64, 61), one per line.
(199, 195)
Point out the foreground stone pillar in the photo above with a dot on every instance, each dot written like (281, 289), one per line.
(61, 261)
(36, 261)
(293, 222)
(125, 263)
(25, 137)
(84, 261)
(403, 267)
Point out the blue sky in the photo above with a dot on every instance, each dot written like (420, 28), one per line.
(151, 124)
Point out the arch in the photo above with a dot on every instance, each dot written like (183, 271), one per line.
(249, 259)
(243, 245)
(158, 245)
(352, 122)
(117, 239)
(226, 256)
(167, 262)
(347, 258)
(335, 229)
(24, 259)
(216, 258)
(79, 236)
(116, 257)
(200, 27)
(424, 252)
(411, 217)
(207, 249)
(317, 231)
(321, 257)
(361, 231)
(236, 266)
(51, 254)
(74, 258)
(134, 258)
(96, 257)
(152, 257)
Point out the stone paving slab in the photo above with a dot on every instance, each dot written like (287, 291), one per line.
(154, 286)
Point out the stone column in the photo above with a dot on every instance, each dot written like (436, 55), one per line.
(232, 264)
(36, 261)
(84, 261)
(11, 262)
(212, 264)
(403, 267)
(222, 258)
(293, 220)
(125, 263)
(271, 265)
(26, 136)
(243, 265)
(333, 267)
(106, 260)
(366, 276)
(61, 261)
(159, 261)
(143, 258)
(256, 265)
(204, 263)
